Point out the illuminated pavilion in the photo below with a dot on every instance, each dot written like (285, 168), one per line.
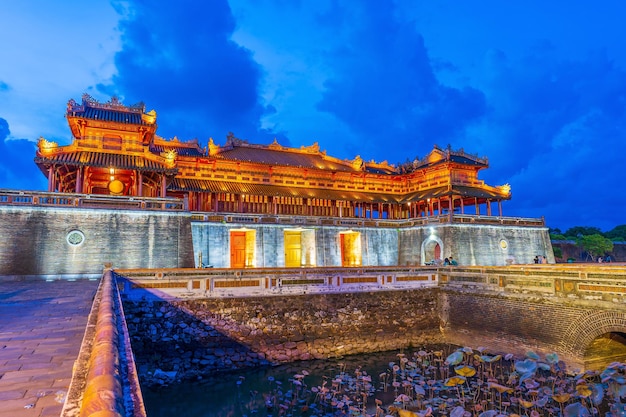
(115, 150)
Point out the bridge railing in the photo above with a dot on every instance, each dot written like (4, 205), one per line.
(561, 280)
(606, 282)
(105, 380)
(225, 282)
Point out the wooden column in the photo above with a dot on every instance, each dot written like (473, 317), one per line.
(79, 180)
(51, 178)
(139, 183)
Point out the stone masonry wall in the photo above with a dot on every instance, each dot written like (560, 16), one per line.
(35, 240)
(197, 337)
(513, 324)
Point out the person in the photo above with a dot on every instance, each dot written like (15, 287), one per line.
(446, 262)
(599, 259)
(544, 260)
(536, 259)
(453, 261)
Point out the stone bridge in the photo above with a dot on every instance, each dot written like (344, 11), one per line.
(265, 316)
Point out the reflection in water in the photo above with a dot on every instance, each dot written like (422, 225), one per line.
(242, 393)
(443, 382)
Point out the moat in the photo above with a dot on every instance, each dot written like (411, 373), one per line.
(429, 381)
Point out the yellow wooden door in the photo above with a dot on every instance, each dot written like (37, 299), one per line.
(293, 249)
(237, 249)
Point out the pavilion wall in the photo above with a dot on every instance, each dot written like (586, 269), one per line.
(36, 240)
(379, 246)
(476, 244)
(468, 244)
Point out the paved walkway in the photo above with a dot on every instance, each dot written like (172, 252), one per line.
(41, 330)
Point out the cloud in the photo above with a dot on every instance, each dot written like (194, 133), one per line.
(180, 60)
(17, 169)
(384, 88)
(557, 129)
(4, 87)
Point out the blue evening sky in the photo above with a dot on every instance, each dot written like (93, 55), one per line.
(538, 87)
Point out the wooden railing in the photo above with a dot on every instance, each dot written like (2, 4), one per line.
(50, 199)
(360, 222)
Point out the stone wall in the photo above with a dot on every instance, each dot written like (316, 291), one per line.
(469, 244)
(379, 247)
(198, 337)
(516, 324)
(36, 241)
(476, 244)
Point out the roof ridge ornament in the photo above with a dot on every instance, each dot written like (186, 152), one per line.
(113, 104)
(358, 164)
(275, 145)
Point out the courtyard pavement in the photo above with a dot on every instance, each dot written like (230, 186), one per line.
(41, 330)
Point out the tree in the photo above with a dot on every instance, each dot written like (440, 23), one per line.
(578, 231)
(617, 234)
(596, 245)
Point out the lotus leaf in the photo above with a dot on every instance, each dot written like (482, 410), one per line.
(527, 366)
(500, 388)
(525, 404)
(465, 370)
(561, 398)
(541, 402)
(455, 358)
(583, 390)
(543, 366)
(598, 393)
(552, 358)
(454, 381)
(489, 413)
(532, 355)
(457, 411)
(576, 410)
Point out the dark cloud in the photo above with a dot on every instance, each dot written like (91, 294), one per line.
(384, 88)
(179, 59)
(557, 129)
(17, 169)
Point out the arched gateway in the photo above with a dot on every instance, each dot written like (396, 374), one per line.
(600, 335)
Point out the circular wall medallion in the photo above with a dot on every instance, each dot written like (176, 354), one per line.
(116, 187)
(75, 238)
(503, 244)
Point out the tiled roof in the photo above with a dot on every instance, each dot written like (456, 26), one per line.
(180, 150)
(282, 157)
(457, 190)
(109, 115)
(184, 184)
(105, 160)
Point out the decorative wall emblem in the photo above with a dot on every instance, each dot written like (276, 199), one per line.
(75, 238)
(503, 244)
